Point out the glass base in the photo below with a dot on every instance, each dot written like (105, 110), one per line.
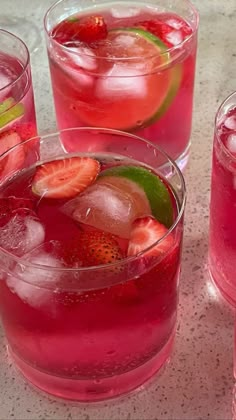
(94, 390)
(183, 159)
(226, 290)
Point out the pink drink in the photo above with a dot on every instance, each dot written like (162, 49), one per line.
(222, 247)
(88, 334)
(17, 112)
(139, 77)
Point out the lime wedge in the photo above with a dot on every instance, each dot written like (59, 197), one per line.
(139, 88)
(156, 192)
(10, 112)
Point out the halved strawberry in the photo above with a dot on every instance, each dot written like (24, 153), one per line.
(14, 160)
(98, 247)
(65, 178)
(87, 29)
(27, 131)
(144, 233)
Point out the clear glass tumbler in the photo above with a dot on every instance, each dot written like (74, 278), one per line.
(125, 65)
(222, 242)
(17, 111)
(79, 331)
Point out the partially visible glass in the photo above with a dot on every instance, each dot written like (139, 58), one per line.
(222, 242)
(89, 333)
(139, 79)
(17, 110)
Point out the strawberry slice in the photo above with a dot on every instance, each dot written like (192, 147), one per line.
(87, 29)
(27, 131)
(65, 178)
(144, 233)
(14, 160)
(98, 247)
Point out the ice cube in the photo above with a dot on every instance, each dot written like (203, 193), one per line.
(230, 122)
(231, 143)
(28, 281)
(122, 81)
(21, 234)
(111, 205)
(82, 57)
(174, 37)
(124, 12)
(125, 40)
(174, 23)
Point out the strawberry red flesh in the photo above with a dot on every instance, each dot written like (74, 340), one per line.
(97, 247)
(15, 159)
(87, 29)
(65, 178)
(144, 233)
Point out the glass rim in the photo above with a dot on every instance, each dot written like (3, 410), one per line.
(126, 260)
(165, 52)
(24, 65)
(220, 109)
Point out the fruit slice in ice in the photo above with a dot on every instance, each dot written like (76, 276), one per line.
(133, 91)
(10, 112)
(65, 178)
(155, 190)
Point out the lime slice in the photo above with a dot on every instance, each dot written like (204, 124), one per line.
(10, 112)
(134, 93)
(156, 192)
(5, 105)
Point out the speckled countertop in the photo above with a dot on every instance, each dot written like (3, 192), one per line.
(198, 383)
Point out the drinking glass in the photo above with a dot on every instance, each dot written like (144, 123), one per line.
(222, 242)
(142, 84)
(86, 333)
(17, 111)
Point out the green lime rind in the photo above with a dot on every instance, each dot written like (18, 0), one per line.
(148, 36)
(172, 92)
(5, 105)
(11, 114)
(154, 188)
(176, 75)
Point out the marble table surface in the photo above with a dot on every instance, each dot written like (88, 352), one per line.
(198, 382)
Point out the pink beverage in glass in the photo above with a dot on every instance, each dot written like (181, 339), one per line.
(17, 112)
(222, 246)
(90, 258)
(126, 66)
